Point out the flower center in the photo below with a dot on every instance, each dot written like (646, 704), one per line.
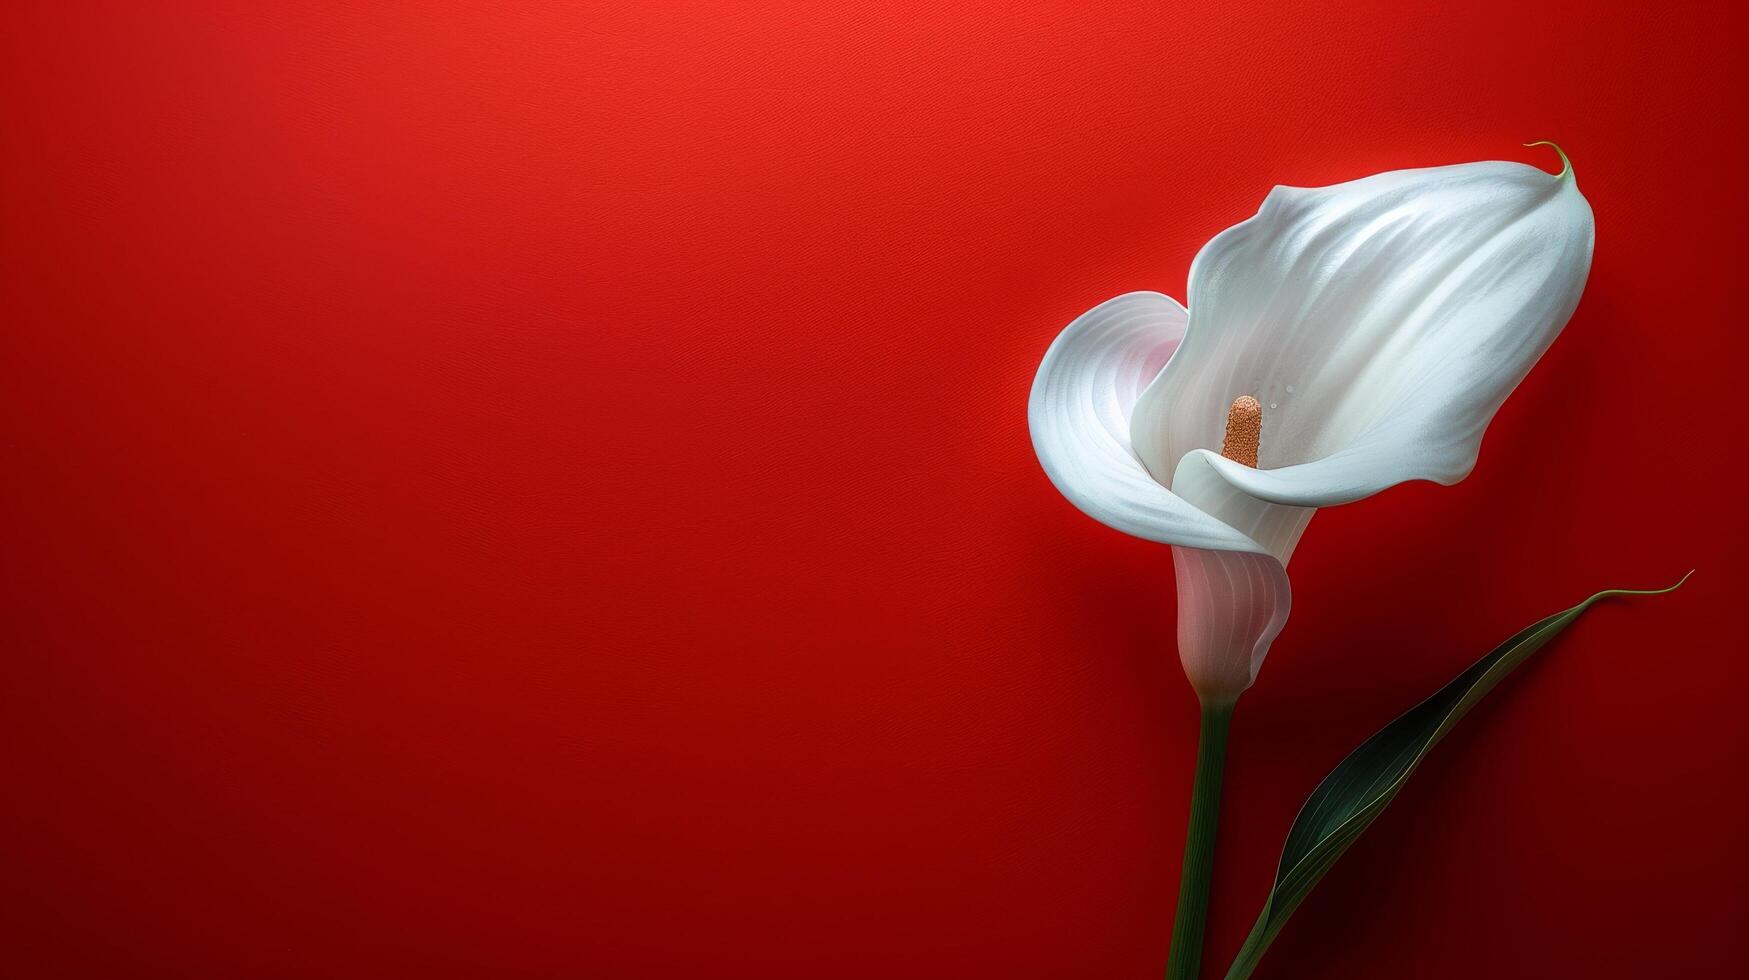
(1244, 429)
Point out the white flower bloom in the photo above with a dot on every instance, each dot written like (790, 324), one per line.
(1379, 323)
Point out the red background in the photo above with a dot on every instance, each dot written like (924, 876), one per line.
(545, 491)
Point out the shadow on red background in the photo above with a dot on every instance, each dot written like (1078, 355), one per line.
(545, 492)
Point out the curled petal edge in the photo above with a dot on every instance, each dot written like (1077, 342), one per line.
(1079, 417)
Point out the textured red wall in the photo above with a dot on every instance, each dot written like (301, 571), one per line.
(545, 491)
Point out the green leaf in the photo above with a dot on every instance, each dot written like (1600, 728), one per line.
(1362, 785)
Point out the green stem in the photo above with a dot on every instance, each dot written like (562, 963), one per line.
(1199, 844)
(1251, 953)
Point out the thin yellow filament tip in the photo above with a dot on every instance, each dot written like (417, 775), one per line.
(1244, 431)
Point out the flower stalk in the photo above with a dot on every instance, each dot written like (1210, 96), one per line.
(1185, 958)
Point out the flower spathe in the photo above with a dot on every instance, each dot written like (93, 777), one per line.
(1380, 323)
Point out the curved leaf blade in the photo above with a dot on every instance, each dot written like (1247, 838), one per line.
(1364, 783)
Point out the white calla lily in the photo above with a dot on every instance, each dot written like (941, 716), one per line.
(1380, 324)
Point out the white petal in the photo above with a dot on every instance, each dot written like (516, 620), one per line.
(1079, 415)
(1380, 322)
(1275, 527)
(1231, 605)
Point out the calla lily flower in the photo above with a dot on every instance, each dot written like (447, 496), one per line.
(1344, 340)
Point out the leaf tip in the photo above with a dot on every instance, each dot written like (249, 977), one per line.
(1611, 593)
(1665, 590)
